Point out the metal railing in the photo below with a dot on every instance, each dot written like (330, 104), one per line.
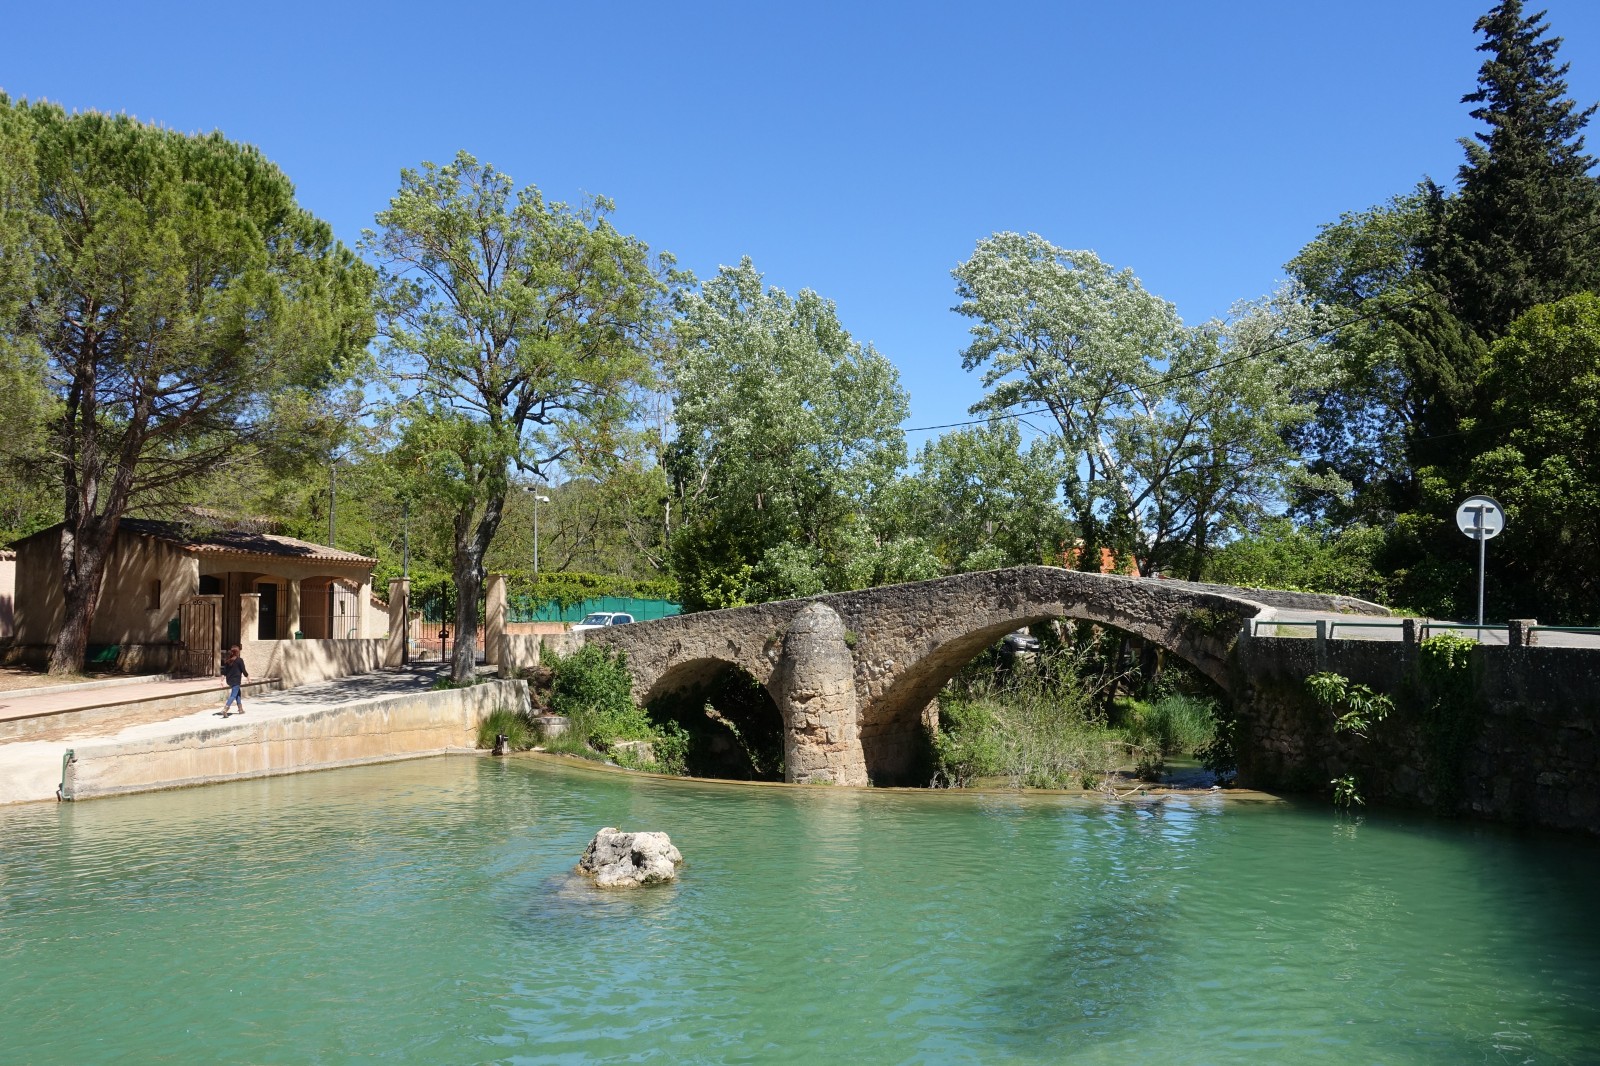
(1425, 627)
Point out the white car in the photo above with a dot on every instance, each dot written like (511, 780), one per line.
(602, 618)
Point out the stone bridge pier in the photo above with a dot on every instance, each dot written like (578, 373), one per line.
(853, 674)
(814, 687)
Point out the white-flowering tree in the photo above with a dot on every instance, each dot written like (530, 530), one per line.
(1168, 435)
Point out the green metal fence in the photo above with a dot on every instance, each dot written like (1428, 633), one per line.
(522, 610)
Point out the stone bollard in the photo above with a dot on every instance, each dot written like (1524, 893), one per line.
(1408, 630)
(1519, 632)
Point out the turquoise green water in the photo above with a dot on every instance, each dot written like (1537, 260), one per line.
(424, 912)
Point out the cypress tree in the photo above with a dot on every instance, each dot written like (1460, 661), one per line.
(1524, 228)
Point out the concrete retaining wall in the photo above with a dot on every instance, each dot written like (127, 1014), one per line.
(381, 730)
(1522, 745)
(302, 662)
(520, 651)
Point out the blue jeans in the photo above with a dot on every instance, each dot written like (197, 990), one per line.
(234, 697)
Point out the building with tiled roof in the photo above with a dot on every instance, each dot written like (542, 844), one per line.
(157, 567)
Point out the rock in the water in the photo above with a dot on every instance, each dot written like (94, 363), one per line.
(625, 860)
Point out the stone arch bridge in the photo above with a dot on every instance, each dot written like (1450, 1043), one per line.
(852, 672)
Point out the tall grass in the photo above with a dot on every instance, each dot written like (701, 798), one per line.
(1036, 725)
(1174, 724)
(521, 733)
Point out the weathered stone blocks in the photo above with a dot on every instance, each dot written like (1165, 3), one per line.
(815, 690)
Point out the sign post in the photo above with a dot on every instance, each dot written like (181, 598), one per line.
(1480, 517)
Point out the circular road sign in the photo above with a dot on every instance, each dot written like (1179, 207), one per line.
(1480, 517)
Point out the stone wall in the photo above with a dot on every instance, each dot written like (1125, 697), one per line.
(1521, 746)
(302, 662)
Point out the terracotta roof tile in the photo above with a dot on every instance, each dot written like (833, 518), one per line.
(240, 542)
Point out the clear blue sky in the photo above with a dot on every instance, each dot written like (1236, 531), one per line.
(857, 149)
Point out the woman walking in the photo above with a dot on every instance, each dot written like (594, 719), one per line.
(234, 673)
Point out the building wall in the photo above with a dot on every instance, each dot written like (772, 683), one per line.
(38, 591)
(132, 609)
(145, 581)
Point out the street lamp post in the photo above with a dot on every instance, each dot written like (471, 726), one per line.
(537, 500)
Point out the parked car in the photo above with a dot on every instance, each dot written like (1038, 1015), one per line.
(1019, 643)
(598, 619)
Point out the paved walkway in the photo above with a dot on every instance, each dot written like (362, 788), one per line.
(31, 769)
(75, 697)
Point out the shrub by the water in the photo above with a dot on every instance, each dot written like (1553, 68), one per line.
(1174, 724)
(592, 688)
(521, 733)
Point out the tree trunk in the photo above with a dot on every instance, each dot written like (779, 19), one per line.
(469, 586)
(472, 544)
(83, 564)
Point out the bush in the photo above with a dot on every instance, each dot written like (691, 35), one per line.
(592, 688)
(968, 744)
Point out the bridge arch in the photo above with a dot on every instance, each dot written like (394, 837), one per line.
(900, 677)
(688, 674)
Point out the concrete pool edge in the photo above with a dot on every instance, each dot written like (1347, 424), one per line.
(383, 729)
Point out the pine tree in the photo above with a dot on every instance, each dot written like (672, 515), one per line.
(1524, 228)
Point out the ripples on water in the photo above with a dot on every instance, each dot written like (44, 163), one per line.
(426, 912)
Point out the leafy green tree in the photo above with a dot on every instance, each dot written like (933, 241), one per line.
(185, 311)
(1545, 380)
(1362, 272)
(1212, 457)
(519, 331)
(606, 521)
(1428, 283)
(1524, 226)
(787, 428)
(1276, 553)
(979, 500)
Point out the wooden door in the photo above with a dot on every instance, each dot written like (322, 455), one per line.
(200, 622)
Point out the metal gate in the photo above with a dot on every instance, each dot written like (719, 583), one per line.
(200, 626)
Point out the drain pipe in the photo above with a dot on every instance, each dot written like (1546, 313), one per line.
(61, 790)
